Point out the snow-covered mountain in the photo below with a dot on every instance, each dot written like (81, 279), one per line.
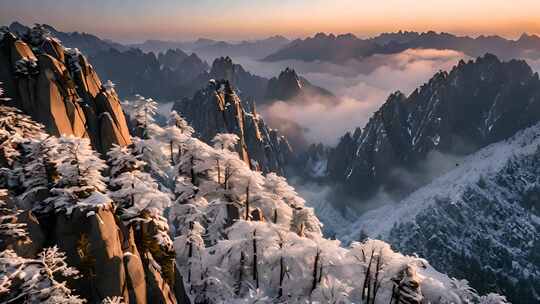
(455, 113)
(162, 216)
(239, 236)
(218, 109)
(480, 220)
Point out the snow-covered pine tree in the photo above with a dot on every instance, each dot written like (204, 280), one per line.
(407, 288)
(25, 280)
(225, 141)
(178, 121)
(11, 230)
(38, 172)
(16, 128)
(79, 183)
(144, 111)
(141, 204)
(131, 189)
(175, 134)
(153, 143)
(190, 252)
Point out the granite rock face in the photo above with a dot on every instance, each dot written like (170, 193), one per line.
(59, 88)
(218, 109)
(115, 258)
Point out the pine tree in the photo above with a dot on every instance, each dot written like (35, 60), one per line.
(35, 280)
(10, 228)
(144, 111)
(225, 141)
(38, 174)
(79, 183)
(178, 121)
(132, 189)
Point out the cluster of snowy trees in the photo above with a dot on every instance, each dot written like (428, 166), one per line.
(239, 236)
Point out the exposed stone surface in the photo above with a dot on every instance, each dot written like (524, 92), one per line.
(65, 94)
(60, 89)
(218, 109)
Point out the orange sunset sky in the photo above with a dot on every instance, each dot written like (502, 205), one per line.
(130, 20)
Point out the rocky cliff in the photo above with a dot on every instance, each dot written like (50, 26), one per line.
(59, 88)
(286, 86)
(455, 113)
(249, 85)
(114, 258)
(218, 109)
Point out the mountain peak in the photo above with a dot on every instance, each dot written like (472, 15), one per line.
(286, 86)
(475, 104)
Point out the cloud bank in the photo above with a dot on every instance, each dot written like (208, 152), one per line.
(361, 87)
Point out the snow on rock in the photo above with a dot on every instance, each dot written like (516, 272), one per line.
(240, 236)
(479, 221)
(452, 185)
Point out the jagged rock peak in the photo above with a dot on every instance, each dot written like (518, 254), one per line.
(218, 109)
(475, 104)
(59, 88)
(286, 86)
(224, 67)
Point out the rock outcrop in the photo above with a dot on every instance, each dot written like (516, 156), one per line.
(116, 258)
(252, 88)
(288, 85)
(477, 103)
(249, 86)
(59, 88)
(218, 109)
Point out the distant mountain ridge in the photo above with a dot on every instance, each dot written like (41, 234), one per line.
(341, 48)
(87, 43)
(288, 85)
(168, 76)
(211, 49)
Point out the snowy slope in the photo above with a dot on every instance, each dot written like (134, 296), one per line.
(452, 185)
(478, 221)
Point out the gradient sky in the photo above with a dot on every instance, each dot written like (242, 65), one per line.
(131, 20)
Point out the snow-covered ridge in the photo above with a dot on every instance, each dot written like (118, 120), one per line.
(451, 185)
(239, 236)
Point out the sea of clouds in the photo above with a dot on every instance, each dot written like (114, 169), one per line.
(361, 86)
